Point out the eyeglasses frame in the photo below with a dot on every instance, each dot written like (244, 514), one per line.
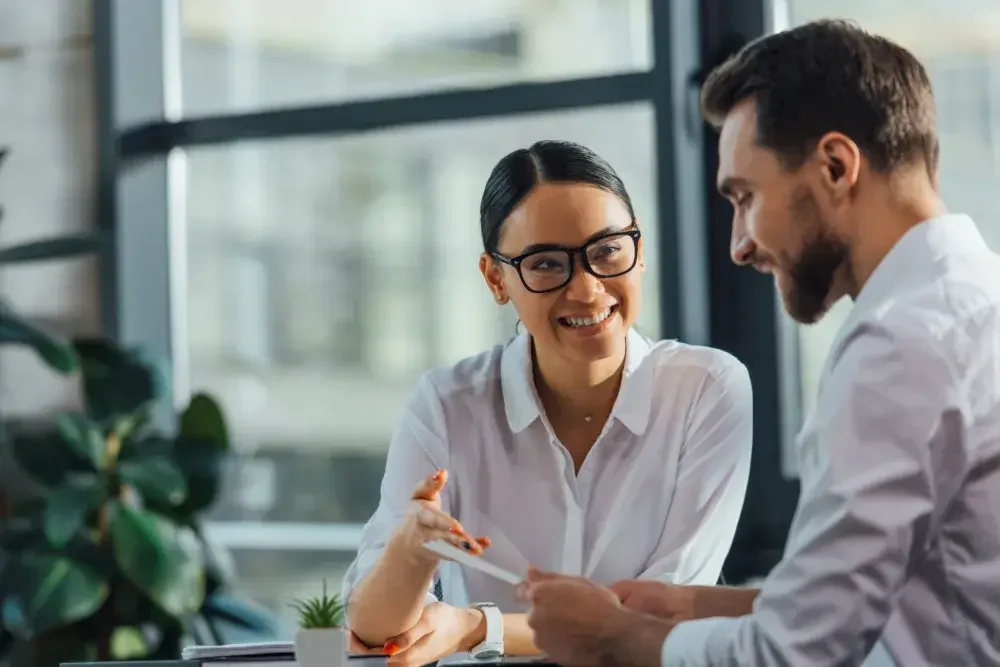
(516, 262)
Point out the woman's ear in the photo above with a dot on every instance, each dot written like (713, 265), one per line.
(493, 276)
(638, 251)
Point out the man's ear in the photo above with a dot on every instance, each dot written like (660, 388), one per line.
(493, 275)
(840, 160)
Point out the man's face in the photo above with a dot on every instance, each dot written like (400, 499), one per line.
(779, 222)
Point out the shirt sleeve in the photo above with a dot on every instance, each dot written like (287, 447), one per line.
(711, 483)
(418, 448)
(887, 410)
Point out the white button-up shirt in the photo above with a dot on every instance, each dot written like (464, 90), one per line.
(658, 496)
(896, 540)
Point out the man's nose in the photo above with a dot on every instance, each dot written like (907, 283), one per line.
(741, 247)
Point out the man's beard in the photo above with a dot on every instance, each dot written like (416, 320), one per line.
(812, 274)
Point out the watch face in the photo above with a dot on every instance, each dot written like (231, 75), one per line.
(488, 654)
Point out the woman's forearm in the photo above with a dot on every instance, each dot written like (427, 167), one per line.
(390, 599)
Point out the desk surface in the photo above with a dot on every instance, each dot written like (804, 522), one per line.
(196, 663)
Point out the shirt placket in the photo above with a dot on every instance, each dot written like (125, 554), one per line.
(572, 560)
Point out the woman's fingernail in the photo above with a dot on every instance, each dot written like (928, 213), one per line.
(390, 648)
(455, 530)
(437, 476)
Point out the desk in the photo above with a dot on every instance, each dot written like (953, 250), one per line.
(196, 663)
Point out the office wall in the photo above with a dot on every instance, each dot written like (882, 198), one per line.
(46, 188)
(46, 182)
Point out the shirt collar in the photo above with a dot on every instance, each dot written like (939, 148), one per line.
(920, 247)
(907, 263)
(521, 400)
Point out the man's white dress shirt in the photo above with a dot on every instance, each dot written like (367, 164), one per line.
(658, 496)
(896, 540)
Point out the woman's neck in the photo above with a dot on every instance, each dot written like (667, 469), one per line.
(570, 388)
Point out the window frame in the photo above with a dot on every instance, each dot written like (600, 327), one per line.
(702, 300)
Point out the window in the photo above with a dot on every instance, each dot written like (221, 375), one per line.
(248, 54)
(326, 275)
(959, 43)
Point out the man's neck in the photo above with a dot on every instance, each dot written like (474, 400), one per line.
(888, 219)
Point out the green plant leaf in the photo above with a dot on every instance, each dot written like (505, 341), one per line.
(156, 478)
(203, 419)
(117, 383)
(54, 351)
(129, 425)
(201, 462)
(46, 591)
(324, 611)
(54, 248)
(68, 506)
(128, 643)
(6, 643)
(83, 438)
(45, 455)
(161, 558)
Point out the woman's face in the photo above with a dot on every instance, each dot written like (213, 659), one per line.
(586, 319)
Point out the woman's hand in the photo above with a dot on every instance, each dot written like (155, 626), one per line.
(441, 631)
(426, 522)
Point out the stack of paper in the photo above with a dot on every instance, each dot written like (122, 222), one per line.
(257, 654)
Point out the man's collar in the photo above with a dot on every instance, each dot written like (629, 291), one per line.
(521, 400)
(919, 248)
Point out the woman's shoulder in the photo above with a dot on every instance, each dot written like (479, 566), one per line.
(472, 377)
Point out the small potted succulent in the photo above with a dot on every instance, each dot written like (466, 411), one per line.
(321, 640)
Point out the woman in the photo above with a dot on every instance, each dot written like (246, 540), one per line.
(579, 446)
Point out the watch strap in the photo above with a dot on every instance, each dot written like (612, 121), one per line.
(493, 643)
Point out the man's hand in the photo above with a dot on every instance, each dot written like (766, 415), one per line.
(441, 631)
(667, 601)
(571, 617)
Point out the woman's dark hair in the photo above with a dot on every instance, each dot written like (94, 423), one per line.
(516, 175)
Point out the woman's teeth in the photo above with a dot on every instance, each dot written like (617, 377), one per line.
(576, 322)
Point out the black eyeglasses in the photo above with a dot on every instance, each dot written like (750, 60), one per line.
(550, 268)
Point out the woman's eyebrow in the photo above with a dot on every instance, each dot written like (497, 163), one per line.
(535, 247)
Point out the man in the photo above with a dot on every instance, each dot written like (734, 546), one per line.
(829, 155)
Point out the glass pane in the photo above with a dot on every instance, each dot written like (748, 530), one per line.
(325, 274)
(251, 54)
(959, 44)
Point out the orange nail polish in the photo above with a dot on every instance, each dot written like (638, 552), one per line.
(437, 475)
(455, 530)
(391, 648)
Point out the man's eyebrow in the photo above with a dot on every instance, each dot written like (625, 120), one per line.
(727, 185)
(536, 247)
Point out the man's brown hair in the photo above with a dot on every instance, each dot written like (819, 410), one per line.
(829, 76)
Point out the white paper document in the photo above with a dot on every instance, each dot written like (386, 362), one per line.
(255, 650)
(464, 558)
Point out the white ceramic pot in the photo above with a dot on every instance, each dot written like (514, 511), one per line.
(321, 647)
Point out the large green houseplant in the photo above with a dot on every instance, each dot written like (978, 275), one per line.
(109, 560)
